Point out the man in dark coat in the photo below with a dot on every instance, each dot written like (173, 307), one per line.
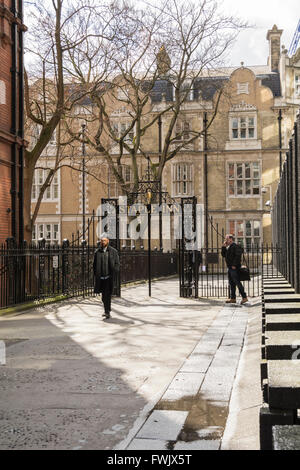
(232, 254)
(106, 269)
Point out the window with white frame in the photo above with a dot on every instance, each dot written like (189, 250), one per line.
(244, 179)
(183, 179)
(39, 178)
(247, 232)
(120, 128)
(297, 85)
(182, 131)
(114, 188)
(49, 231)
(243, 127)
(187, 90)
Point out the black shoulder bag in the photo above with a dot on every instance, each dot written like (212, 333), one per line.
(244, 272)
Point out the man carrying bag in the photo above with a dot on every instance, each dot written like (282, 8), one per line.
(232, 254)
(106, 267)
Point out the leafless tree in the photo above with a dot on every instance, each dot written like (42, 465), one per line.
(54, 30)
(180, 43)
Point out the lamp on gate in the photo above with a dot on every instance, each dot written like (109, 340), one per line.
(149, 196)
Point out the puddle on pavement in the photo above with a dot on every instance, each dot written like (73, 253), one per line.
(206, 419)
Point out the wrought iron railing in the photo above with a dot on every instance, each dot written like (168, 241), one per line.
(286, 213)
(39, 271)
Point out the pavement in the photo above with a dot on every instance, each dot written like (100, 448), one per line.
(162, 373)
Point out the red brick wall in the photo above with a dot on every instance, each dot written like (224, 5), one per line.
(6, 138)
(5, 202)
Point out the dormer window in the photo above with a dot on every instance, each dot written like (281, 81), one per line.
(187, 90)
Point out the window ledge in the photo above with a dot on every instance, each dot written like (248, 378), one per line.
(243, 144)
(243, 196)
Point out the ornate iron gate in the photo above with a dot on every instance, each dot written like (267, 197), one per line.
(110, 223)
(189, 256)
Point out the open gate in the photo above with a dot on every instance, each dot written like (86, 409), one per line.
(203, 271)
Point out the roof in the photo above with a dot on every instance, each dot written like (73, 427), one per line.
(272, 81)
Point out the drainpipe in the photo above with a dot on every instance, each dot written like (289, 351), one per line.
(13, 191)
(205, 121)
(280, 141)
(21, 126)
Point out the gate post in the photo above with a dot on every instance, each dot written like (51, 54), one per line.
(41, 254)
(83, 245)
(65, 265)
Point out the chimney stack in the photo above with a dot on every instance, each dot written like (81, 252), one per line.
(273, 37)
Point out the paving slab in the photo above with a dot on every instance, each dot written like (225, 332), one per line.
(148, 444)
(163, 425)
(286, 437)
(198, 445)
(283, 322)
(281, 344)
(197, 363)
(183, 385)
(284, 384)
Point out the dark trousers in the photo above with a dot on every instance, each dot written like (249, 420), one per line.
(106, 294)
(234, 282)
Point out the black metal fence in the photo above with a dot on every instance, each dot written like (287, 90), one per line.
(41, 271)
(204, 273)
(286, 213)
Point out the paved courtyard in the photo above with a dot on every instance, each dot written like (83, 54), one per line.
(162, 373)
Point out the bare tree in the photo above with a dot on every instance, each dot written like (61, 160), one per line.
(177, 44)
(55, 28)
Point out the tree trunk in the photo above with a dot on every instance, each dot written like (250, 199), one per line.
(28, 179)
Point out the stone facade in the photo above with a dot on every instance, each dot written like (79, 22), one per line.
(243, 152)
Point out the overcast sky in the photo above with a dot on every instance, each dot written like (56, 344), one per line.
(252, 47)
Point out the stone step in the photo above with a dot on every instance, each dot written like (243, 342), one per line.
(282, 307)
(278, 291)
(284, 385)
(283, 322)
(283, 298)
(286, 437)
(268, 282)
(281, 345)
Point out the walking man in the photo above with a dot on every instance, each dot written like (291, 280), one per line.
(106, 268)
(232, 254)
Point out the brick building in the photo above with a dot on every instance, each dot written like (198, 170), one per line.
(11, 119)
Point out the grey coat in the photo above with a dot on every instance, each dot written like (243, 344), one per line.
(114, 269)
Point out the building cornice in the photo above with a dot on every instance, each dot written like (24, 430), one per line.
(11, 18)
(8, 138)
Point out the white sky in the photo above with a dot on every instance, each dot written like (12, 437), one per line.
(252, 47)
